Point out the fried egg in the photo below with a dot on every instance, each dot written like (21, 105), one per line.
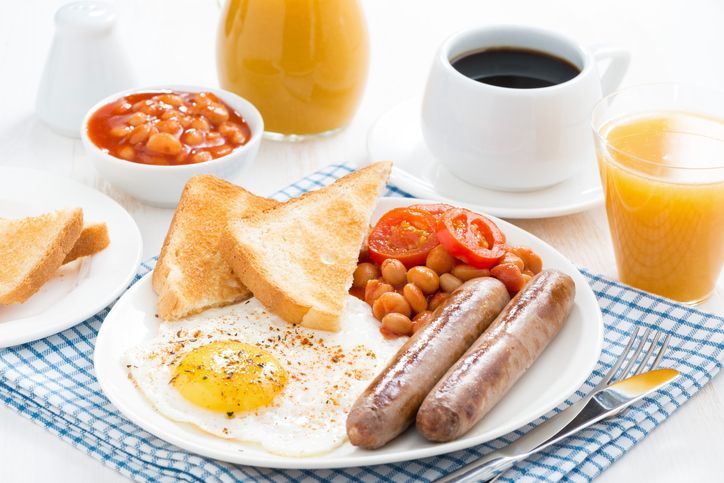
(243, 373)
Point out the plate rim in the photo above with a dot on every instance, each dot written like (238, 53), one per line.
(32, 175)
(320, 462)
(411, 184)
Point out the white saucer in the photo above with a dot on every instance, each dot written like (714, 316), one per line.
(397, 136)
(81, 288)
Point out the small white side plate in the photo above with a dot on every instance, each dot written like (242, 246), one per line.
(397, 136)
(79, 289)
(560, 370)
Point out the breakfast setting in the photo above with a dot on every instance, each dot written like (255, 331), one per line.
(348, 240)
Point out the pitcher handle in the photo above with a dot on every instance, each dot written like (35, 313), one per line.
(618, 61)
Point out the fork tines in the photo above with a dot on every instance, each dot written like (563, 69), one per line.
(633, 350)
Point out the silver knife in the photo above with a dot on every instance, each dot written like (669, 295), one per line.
(604, 403)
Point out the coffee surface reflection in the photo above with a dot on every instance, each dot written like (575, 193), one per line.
(515, 68)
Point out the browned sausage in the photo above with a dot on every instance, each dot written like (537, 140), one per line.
(475, 384)
(387, 407)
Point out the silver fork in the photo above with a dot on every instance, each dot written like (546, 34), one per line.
(546, 434)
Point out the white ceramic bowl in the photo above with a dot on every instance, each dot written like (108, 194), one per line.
(162, 185)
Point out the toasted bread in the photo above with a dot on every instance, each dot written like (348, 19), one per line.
(298, 258)
(32, 249)
(191, 276)
(92, 240)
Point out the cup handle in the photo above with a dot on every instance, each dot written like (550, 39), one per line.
(618, 61)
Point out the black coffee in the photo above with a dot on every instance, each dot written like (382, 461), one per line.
(516, 68)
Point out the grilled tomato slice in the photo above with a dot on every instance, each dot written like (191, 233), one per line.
(471, 237)
(436, 210)
(405, 234)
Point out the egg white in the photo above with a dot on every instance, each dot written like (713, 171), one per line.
(326, 372)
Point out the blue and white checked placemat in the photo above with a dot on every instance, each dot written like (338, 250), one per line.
(52, 382)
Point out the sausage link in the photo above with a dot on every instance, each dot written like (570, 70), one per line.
(388, 405)
(475, 384)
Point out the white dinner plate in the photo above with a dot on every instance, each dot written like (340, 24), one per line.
(81, 288)
(397, 136)
(560, 370)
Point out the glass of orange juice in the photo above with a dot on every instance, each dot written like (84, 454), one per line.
(302, 63)
(660, 149)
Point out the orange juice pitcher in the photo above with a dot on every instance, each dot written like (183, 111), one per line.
(303, 63)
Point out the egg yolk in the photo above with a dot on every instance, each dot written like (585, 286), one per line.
(229, 376)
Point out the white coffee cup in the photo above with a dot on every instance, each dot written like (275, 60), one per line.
(515, 139)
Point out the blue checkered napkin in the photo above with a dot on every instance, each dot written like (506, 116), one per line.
(52, 382)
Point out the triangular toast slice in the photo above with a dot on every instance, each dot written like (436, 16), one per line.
(32, 249)
(93, 239)
(191, 276)
(298, 258)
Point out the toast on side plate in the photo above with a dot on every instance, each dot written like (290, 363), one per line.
(92, 240)
(191, 275)
(32, 249)
(298, 258)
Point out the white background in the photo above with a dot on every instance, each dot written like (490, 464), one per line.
(172, 42)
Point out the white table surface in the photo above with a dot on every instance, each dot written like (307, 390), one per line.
(669, 40)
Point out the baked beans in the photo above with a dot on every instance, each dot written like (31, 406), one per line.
(168, 128)
(403, 296)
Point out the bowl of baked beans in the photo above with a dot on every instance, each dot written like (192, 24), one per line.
(148, 142)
